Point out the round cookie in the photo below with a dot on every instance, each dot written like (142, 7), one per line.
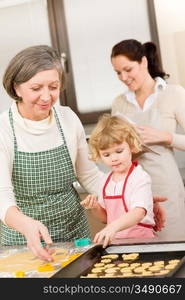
(123, 265)
(174, 261)
(159, 263)
(106, 260)
(146, 265)
(139, 270)
(97, 270)
(99, 265)
(130, 257)
(111, 256)
(126, 270)
(135, 265)
(109, 266)
(110, 270)
(154, 269)
(170, 266)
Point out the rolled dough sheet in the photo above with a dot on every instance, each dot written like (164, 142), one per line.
(26, 261)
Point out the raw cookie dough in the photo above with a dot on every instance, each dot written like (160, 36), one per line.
(26, 261)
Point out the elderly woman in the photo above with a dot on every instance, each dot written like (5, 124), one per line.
(43, 151)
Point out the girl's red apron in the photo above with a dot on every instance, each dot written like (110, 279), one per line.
(116, 207)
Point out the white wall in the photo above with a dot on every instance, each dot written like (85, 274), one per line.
(170, 16)
(94, 26)
(22, 24)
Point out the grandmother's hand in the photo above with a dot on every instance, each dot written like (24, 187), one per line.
(150, 135)
(35, 232)
(159, 213)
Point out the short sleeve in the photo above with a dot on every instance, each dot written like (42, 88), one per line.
(141, 191)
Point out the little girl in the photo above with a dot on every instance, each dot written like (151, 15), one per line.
(125, 201)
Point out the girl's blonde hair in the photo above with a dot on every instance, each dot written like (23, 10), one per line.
(112, 130)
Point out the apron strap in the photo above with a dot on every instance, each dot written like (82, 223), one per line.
(64, 140)
(105, 185)
(134, 164)
(145, 225)
(59, 125)
(13, 130)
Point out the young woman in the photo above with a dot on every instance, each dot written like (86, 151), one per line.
(157, 108)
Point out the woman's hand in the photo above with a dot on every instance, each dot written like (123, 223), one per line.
(33, 230)
(90, 202)
(151, 135)
(159, 213)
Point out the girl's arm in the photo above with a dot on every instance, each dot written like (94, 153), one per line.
(91, 202)
(128, 220)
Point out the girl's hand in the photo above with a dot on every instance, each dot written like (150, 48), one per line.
(151, 135)
(106, 235)
(90, 202)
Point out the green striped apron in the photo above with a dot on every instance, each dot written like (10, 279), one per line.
(43, 188)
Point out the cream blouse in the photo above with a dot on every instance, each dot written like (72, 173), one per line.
(35, 136)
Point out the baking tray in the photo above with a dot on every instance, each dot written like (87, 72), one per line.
(156, 246)
(83, 264)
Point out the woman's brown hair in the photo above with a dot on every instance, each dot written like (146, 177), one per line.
(134, 51)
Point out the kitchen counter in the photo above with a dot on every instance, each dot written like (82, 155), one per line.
(168, 243)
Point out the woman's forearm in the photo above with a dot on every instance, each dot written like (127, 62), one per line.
(15, 219)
